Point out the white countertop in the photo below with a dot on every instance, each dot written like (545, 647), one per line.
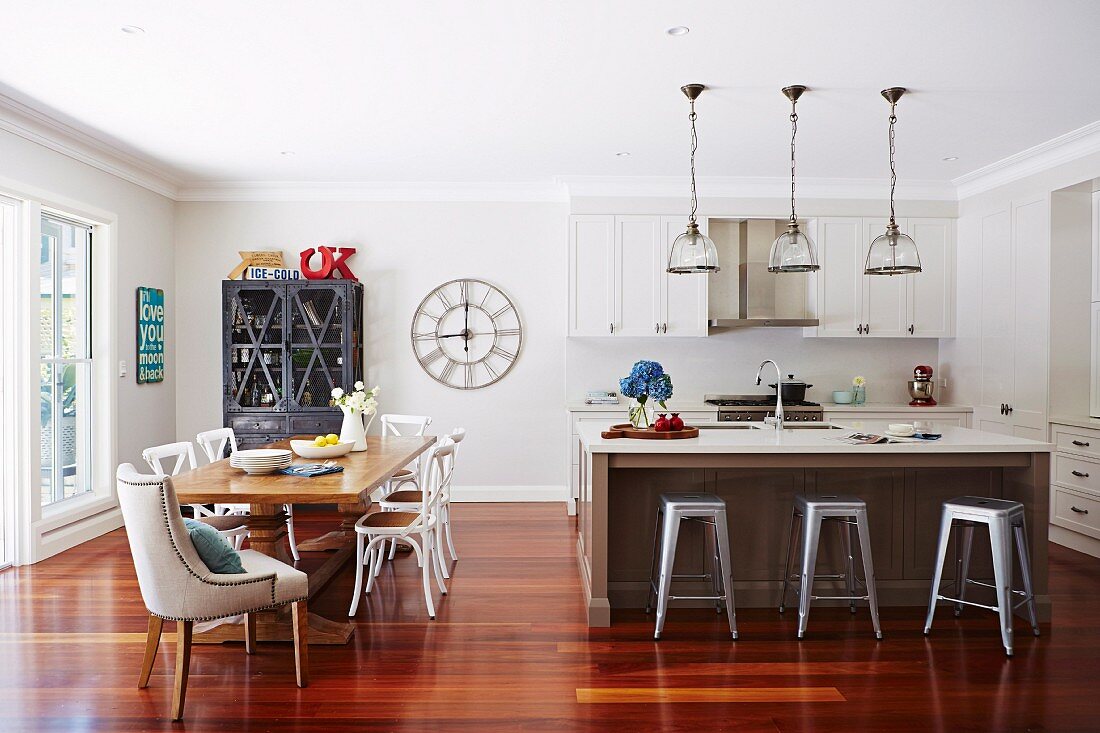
(893, 407)
(1077, 421)
(700, 406)
(812, 440)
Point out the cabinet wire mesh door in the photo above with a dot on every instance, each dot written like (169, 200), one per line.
(286, 346)
(255, 375)
(319, 334)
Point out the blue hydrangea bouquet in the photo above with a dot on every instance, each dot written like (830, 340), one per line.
(647, 380)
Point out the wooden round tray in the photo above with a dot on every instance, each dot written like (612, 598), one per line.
(626, 430)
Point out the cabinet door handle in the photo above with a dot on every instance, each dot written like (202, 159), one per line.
(1009, 408)
(611, 328)
(1075, 510)
(859, 329)
(1080, 474)
(866, 328)
(1004, 409)
(256, 426)
(910, 329)
(664, 328)
(656, 327)
(1082, 443)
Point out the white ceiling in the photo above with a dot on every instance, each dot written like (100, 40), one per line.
(510, 90)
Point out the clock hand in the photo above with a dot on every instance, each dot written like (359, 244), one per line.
(466, 330)
(451, 335)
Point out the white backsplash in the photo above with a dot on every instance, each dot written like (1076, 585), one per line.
(727, 362)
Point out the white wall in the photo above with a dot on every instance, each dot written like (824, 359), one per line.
(516, 435)
(144, 239)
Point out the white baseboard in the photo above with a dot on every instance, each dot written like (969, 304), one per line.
(68, 536)
(509, 493)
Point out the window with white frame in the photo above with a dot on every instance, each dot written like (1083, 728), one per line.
(65, 358)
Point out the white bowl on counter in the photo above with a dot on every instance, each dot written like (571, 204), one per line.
(900, 429)
(309, 449)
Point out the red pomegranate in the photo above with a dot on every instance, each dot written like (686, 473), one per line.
(676, 422)
(662, 423)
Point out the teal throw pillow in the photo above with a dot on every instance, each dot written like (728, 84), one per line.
(218, 554)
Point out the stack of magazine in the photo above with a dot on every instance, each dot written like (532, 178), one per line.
(601, 397)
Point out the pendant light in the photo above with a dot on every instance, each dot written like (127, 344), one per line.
(793, 251)
(693, 251)
(892, 253)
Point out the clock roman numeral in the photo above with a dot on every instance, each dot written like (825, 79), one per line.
(448, 370)
(507, 332)
(424, 336)
(443, 298)
(471, 378)
(493, 376)
(503, 309)
(429, 359)
(502, 353)
(464, 290)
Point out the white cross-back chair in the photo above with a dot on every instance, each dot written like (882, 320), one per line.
(233, 528)
(418, 528)
(213, 444)
(177, 586)
(407, 426)
(409, 500)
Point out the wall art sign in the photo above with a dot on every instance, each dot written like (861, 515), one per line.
(258, 258)
(333, 263)
(150, 335)
(271, 273)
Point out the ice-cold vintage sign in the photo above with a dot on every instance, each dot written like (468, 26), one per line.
(150, 335)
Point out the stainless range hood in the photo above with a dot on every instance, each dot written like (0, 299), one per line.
(758, 298)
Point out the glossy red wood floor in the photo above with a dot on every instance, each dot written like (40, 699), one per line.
(510, 651)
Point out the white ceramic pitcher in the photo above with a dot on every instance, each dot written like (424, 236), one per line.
(354, 428)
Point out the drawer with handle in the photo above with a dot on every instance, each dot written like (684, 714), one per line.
(1076, 510)
(315, 425)
(1077, 440)
(1076, 472)
(257, 424)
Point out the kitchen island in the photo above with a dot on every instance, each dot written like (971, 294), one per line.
(758, 472)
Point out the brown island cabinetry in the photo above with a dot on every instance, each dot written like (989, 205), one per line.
(758, 472)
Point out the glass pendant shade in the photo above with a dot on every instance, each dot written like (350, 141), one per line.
(693, 252)
(892, 253)
(793, 251)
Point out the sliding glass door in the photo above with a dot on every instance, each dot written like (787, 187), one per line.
(65, 358)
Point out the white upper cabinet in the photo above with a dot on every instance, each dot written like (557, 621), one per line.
(617, 280)
(684, 296)
(851, 304)
(1096, 247)
(637, 277)
(591, 275)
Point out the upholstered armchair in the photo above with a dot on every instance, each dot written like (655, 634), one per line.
(177, 586)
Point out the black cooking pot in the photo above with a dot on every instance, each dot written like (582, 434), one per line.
(793, 390)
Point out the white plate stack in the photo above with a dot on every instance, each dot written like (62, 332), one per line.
(260, 460)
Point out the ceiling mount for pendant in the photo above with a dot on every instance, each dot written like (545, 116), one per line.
(893, 252)
(793, 251)
(693, 251)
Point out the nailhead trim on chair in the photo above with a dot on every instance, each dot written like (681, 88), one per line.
(172, 539)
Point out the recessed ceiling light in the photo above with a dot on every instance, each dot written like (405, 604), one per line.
(622, 154)
(678, 30)
(286, 153)
(133, 30)
(951, 157)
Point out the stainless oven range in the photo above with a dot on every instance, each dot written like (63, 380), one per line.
(754, 408)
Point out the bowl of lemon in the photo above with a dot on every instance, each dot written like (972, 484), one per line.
(323, 446)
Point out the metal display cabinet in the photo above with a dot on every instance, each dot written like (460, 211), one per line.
(285, 346)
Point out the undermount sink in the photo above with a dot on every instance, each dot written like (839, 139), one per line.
(813, 425)
(763, 426)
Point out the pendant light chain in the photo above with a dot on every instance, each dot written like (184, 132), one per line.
(794, 132)
(694, 147)
(893, 171)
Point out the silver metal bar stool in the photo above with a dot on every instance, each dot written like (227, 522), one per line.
(846, 512)
(672, 509)
(1005, 520)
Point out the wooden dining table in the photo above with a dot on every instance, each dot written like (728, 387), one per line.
(267, 494)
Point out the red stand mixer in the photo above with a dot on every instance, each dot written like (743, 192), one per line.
(921, 387)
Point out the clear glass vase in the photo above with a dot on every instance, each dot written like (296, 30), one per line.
(639, 414)
(859, 395)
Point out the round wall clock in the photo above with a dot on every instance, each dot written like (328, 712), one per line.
(466, 334)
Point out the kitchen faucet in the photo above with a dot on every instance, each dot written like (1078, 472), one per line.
(776, 421)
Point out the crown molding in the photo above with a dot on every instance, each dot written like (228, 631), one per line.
(753, 187)
(415, 191)
(37, 127)
(1044, 156)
